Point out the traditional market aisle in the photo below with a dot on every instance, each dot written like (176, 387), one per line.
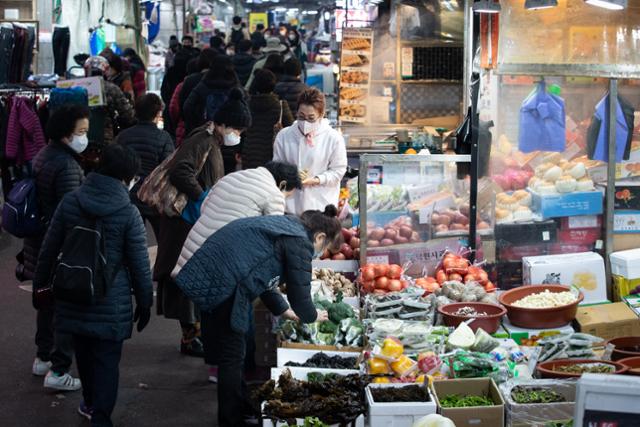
(158, 386)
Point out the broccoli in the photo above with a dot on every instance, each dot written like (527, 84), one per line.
(328, 327)
(340, 310)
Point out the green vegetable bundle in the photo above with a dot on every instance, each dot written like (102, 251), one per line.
(457, 401)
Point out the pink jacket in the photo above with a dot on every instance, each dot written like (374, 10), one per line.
(24, 132)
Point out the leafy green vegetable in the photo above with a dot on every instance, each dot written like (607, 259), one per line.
(340, 310)
(328, 327)
(521, 394)
(457, 401)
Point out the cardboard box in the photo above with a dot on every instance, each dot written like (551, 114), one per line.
(608, 321)
(626, 222)
(627, 195)
(526, 233)
(484, 416)
(584, 270)
(397, 414)
(623, 242)
(568, 204)
(633, 301)
(581, 222)
(565, 248)
(579, 236)
(518, 334)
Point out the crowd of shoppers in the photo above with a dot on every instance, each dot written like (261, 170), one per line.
(236, 142)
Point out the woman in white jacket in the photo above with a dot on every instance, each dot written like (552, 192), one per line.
(247, 193)
(318, 151)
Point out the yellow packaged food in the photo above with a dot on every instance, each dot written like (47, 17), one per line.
(403, 366)
(392, 348)
(378, 366)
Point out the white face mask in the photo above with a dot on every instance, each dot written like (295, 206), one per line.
(231, 139)
(79, 143)
(308, 127)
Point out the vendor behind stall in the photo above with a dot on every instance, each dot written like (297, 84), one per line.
(253, 255)
(318, 151)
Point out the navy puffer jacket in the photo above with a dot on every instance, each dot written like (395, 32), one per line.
(126, 251)
(252, 256)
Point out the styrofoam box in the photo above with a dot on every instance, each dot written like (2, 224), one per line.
(301, 373)
(267, 422)
(569, 269)
(612, 394)
(397, 414)
(626, 263)
(352, 301)
(300, 356)
(340, 266)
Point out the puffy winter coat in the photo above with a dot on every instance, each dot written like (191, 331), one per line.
(152, 146)
(110, 318)
(243, 63)
(195, 109)
(175, 113)
(247, 193)
(257, 141)
(57, 172)
(24, 132)
(289, 88)
(119, 112)
(247, 259)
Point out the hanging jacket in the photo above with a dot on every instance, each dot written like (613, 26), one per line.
(152, 145)
(242, 194)
(175, 113)
(257, 140)
(597, 148)
(25, 136)
(289, 89)
(110, 318)
(243, 64)
(542, 122)
(252, 257)
(57, 172)
(325, 159)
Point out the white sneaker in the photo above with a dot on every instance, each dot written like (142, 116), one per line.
(63, 383)
(40, 367)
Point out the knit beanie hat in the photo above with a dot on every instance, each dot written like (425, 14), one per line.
(234, 113)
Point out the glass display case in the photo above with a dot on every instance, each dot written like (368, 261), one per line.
(414, 207)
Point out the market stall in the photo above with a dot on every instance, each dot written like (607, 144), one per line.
(483, 290)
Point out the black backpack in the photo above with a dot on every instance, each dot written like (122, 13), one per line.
(236, 36)
(81, 275)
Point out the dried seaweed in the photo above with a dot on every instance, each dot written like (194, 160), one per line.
(321, 360)
(335, 400)
(412, 393)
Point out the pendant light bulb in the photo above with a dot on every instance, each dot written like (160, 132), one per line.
(486, 6)
(608, 4)
(540, 4)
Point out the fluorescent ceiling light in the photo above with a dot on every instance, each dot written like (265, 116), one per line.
(486, 6)
(540, 4)
(608, 4)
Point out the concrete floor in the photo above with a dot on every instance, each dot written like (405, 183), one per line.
(158, 386)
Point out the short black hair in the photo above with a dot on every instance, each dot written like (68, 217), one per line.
(192, 66)
(190, 38)
(119, 161)
(264, 81)
(206, 57)
(237, 20)
(216, 41)
(63, 120)
(293, 67)
(244, 45)
(115, 62)
(286, 172)
(274, 63)
(148, 106)
(260, 27)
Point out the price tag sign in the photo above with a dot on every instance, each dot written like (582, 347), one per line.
(583, 221)
(378, 259)
(545, 236)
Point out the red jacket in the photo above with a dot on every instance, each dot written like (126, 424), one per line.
(176, 115)
(25, 136)
(139, 84)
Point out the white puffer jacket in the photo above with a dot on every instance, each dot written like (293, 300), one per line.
(247, 193)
